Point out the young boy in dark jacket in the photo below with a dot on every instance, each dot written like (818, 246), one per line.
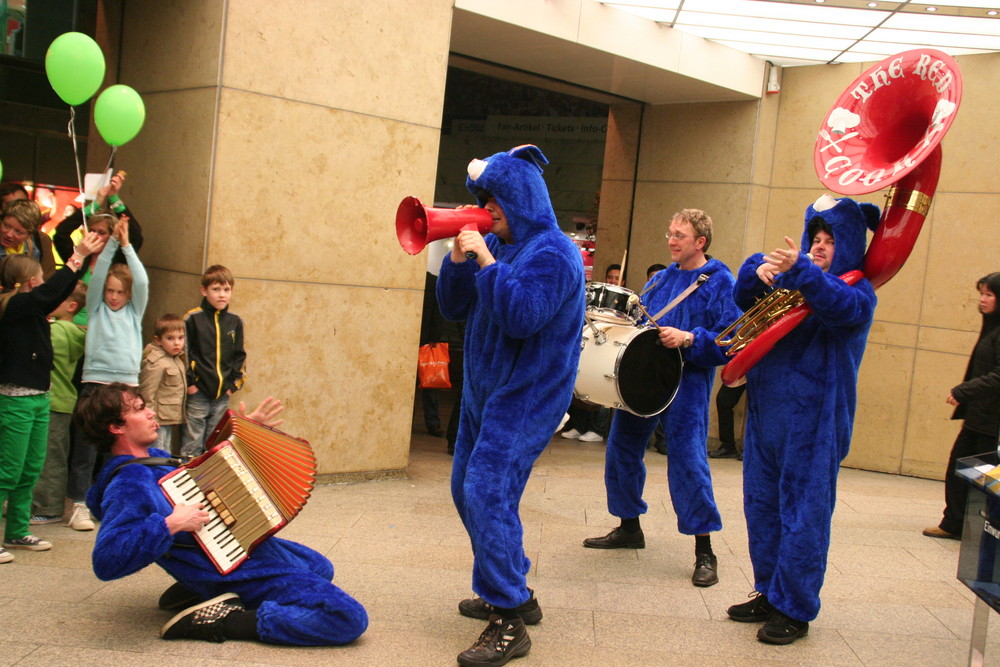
(216, 358)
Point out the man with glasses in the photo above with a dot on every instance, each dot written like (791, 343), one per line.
(700, 290)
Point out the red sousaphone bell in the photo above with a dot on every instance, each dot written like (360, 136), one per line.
(417, 225)
(884, 129)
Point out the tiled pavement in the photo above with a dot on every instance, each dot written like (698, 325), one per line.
(891, 596)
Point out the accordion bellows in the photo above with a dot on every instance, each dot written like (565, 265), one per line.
(252, 479)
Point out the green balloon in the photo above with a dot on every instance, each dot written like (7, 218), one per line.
(119, 114)
(75, 67)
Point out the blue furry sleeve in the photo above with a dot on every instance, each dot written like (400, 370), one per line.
(748, 286)
(833, 301)
(133, 531)
(720, 313)
(522, 298)
(456, 289)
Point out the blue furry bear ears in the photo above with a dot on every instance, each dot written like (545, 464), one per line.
(844, 210)
(529, 153)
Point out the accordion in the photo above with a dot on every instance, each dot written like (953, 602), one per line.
(252, 480)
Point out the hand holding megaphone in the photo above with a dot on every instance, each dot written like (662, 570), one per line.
(470, 244)
(417, 225)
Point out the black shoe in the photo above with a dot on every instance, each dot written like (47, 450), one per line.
(178, 596)
(781, 629)
(436, 431)
(617, 539)
(724, 452)
(203, 621)
(529, 611)
(500, 642)
(757, 610)
(706, 570)
(660, 449)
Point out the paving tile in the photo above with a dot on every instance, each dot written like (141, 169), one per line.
(11, 653)
(878, 650)
(715, 638)
(891, 619)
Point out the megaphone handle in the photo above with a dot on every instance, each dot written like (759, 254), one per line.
(468, 253)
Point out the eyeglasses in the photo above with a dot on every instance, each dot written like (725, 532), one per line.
(677, 237)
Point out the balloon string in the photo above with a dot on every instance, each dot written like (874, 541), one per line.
(105, 177)
(76, 160)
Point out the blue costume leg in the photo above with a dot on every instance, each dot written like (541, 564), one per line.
(624, 470)
(296, 604)
(464, 442)
(685, 426)
(807, 496)
(496, 475)
(760, 502)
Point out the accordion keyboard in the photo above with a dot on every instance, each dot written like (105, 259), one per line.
(214, 536)
(238, 508)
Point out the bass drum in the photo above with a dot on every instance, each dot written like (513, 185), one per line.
(625, 367)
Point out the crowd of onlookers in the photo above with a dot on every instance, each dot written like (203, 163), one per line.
(72, 303)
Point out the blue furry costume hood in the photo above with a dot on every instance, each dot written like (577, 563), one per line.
(524, 318)
(801, 402)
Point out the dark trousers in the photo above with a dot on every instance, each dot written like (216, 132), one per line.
(968, 443)
(431, 404)
(725, 401)
(82, 457)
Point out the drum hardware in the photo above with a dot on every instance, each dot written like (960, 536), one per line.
(599, 337)
(875, 135)
(634, 301)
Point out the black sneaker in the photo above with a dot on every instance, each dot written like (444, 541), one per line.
(757, 610)
(178, 596)
(203, 621)
(724, 452)
(477, 607)
(500, 642)
(617, 539)
(706, 570)
(781, 629)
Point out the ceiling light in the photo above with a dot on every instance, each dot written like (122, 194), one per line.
(932, 9)
(820, 2)
(992, 12)
(873, 4)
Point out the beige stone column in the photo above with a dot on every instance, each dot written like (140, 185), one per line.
(279, 139)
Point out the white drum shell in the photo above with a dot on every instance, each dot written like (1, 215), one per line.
(598, 378)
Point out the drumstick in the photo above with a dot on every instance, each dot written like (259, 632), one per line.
(633, 300)
(621, 272)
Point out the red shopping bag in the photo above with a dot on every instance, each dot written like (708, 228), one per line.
(432, 366)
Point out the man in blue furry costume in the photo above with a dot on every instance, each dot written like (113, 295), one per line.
(523, 300)
(692, 326)
(282, 594)
(800, 412)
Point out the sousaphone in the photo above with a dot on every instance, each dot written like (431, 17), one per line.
(884, 130)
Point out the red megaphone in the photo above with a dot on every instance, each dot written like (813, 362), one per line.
(417, 225)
